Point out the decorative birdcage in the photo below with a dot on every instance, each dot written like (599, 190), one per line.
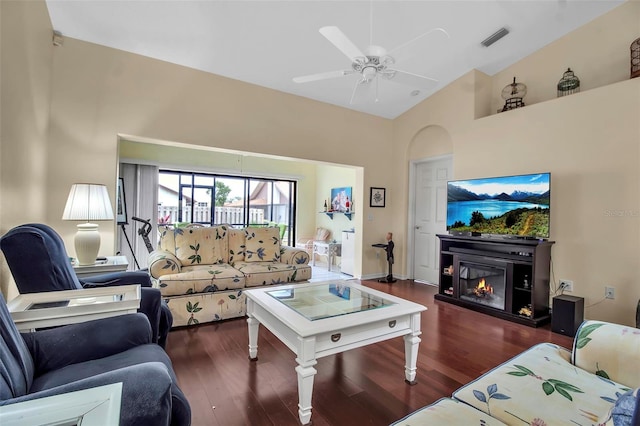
(635, 58)
(513, 94)
(568, 84)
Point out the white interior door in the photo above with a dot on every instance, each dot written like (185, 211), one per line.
(430, 216)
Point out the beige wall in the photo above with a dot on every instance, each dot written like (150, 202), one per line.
(98, 93)
(188, 157)
(589, 141)
(25, 57)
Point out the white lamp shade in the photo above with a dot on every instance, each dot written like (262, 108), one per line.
(88, 201)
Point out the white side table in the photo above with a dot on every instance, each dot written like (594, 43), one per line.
(325, 248)
(113, 264)
(92, 406)
(54, 308)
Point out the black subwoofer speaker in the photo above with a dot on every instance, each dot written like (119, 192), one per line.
(567, 314)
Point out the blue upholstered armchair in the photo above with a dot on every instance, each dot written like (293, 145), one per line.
(95, 353)
(39, 262)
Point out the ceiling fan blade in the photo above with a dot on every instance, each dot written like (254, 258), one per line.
(419, 44)
(342, 42)
(362, 92)
(322, 76)
(413, 80)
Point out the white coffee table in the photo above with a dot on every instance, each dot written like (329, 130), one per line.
(325, 318)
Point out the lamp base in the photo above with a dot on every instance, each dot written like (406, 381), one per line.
(87, 243)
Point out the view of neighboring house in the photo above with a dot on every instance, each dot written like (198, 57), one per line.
(222, 201)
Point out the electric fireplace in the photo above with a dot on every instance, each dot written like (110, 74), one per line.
(482, 283)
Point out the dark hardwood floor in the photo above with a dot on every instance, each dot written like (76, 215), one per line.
(363, 386)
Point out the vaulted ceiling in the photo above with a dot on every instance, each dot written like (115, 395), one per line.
(268, 43)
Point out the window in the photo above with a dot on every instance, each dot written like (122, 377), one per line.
(211, 199)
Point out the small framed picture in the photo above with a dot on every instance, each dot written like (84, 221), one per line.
(376, 197)
(121, 204)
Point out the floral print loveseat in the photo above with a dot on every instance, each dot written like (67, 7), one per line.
(203, 271)
(594, 384)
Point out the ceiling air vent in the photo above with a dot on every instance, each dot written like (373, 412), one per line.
(495, 37)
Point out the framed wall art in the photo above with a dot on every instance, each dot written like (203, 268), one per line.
(377, 197)
(121, 204)
(341, 199)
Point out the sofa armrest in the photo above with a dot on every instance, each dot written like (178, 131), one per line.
(58, 347)
(116, 279)
(608, 350)
(162, 262)
(293, 256)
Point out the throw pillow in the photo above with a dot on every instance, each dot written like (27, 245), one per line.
(201, 246)
(623, 411)
(237, 247)
(262, 244)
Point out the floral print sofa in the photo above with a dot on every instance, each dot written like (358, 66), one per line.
(203, 271)
(594, 384)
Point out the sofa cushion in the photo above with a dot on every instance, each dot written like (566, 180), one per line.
(262, 244)
(447, 411)
(201, 279)
(237, 238)
(540, 385)
(206, 245)
(267, 273)
(167, 239)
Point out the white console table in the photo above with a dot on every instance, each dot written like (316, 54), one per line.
(325, 248)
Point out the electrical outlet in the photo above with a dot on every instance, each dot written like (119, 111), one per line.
(609, 292)
(566, 285)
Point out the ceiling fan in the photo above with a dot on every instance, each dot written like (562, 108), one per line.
(374, 63)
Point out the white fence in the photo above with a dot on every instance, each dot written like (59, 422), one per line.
(202, 214)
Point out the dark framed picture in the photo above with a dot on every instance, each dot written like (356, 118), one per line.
(376, 197)
(121, 204)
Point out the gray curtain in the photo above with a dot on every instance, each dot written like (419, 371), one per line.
(141, 197)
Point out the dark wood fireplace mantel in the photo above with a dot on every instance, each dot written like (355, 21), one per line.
(526, 265)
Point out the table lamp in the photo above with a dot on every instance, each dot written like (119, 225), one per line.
(88, 202)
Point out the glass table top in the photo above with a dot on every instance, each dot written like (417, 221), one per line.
(328, 300)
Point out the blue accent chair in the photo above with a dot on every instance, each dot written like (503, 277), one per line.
(38, 261)
(94, 353)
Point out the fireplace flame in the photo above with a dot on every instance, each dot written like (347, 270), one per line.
(483, 289)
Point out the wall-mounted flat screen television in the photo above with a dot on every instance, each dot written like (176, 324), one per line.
(516, 206)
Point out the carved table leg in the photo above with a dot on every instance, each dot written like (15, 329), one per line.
(254, 327)
(306, 359)
(411, 343)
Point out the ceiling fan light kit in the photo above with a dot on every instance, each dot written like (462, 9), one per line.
(374, 62)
